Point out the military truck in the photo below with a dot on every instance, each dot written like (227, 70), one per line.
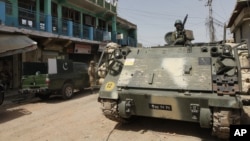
(57, 77)
(206, 83)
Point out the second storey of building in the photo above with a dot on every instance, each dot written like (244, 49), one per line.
(91, 21)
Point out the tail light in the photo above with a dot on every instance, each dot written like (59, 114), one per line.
(47, 81)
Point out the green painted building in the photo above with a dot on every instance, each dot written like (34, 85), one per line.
(70, 29)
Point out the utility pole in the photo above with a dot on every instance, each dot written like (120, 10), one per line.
(210, 22)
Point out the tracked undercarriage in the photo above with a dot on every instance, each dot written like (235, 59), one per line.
(109, 109)
(221, 119)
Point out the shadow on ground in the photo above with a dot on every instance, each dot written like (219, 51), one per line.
(10, 109)
(163, 126)
(20, 99)
(10, 114)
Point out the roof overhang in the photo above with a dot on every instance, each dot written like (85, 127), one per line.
(126, 24)
(240, 5)
(14, 44)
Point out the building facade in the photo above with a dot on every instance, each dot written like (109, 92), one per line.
(240, 20)
(67, 29)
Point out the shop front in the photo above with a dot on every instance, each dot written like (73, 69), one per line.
(11, 48)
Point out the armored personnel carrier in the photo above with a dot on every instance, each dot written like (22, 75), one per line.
(206, 83)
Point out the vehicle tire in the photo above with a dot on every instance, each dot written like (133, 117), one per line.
(1, 97)
(43, 96)
(67, 91)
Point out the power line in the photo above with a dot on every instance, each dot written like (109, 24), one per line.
(148, 13)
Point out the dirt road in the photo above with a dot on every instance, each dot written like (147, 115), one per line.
(81, 119)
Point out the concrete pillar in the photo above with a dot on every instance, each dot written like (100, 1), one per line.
(59, 18)
(70, 28)
(91, 33)
(135, 35)
(81, 25)
(13, 21)
(38, 14)
(48, 17)
(114, 29)
(97, 22)
(2, 13)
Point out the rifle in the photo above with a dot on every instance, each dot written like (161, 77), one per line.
(184, 21)
(183, 29)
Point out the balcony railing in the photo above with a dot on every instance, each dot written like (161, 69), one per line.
(86, 33)
(42, 22)
(64, 29)
(76, 30)
(55, 25)
(32, 20)
(26, 18)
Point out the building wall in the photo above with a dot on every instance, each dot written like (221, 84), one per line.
(242, 32)
(246, 30)
(237, 35)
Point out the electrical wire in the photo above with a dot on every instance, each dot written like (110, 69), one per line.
(149, 18)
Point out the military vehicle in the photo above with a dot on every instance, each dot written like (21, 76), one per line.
(206, 83)
(57, 77)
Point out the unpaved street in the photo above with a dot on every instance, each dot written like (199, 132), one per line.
(80, 119)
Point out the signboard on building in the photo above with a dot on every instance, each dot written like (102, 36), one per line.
(119, 36)
(82, 49)
(106, 36)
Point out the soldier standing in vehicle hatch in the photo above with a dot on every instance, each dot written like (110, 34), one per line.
(178, 36)
(91, 73)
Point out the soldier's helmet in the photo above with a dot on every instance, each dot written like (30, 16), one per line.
(178, 22)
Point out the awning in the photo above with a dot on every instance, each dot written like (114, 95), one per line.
(15, 44)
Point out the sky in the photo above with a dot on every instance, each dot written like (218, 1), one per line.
(154, 18)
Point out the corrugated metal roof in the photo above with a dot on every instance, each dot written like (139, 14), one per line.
(14, 44)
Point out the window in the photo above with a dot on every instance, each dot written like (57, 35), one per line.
(27, 4)
(54, 9)
(71, 14)
(102, 24)
(41, 6)
(26, 11)
(88, 20)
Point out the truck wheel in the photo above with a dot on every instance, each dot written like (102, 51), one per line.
(43, 96)
(67, 91)
(1, 97)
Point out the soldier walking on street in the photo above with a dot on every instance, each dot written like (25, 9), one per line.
(91, 73)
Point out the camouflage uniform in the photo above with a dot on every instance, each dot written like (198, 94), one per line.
(102, 71)
(91, 73)
(178, 36)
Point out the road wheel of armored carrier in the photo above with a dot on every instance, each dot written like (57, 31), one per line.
(110, 111)
(222, 118)
(67, 91)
